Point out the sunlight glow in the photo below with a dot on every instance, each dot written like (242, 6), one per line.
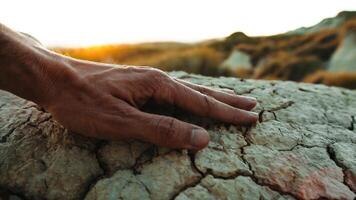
(89, 22)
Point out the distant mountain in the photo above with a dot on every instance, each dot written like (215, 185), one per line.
(328, 23)
(323, 53)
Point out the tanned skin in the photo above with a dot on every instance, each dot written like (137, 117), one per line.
(103, 100)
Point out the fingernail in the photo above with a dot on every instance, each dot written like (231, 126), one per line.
(228, 91)
(251, 103)
(253, 99)
(254, 115)
(199, 138)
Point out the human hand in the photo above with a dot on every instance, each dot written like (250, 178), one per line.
(104, 101)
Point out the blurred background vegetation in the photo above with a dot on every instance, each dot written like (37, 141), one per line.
(324, 53)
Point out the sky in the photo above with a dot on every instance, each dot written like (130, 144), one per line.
(93, 22)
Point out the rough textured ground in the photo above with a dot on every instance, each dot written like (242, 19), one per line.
(303, 148)
(344, 58)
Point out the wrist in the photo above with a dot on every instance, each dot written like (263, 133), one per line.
(30, 71)
(36, 74)
(56, 76)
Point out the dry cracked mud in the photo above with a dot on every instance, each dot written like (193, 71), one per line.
(304, 147)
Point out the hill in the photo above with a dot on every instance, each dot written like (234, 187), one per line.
(324, 53)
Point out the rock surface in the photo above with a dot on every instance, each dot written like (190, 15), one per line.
(344, 58)
(303, 148)
(237, 60)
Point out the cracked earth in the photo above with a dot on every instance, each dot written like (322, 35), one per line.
(304, 147)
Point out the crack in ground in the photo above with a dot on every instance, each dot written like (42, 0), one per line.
(282, 106)
(4, 138)
(46, 119)
(191, 156)
(253, 176)
(192, 185)
(192, 161)
(257, 181)
(260, 115)
(151, 151)
(203, 175)
(226, 87)
(91, 183)
(144, 185)
(234, 176)
(11, 195)
(353, 122)
(28, 122)
(332, 157)
(105, 173)
(305, 90)
(2, 105)
(153, 154)
(299, 145)
(261, 183)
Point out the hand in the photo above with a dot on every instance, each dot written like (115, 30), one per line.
(103, 101)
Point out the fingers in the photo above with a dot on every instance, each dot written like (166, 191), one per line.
(226, 91)
(204, 105)
(169, 132)
(238, 101)
(126, 122)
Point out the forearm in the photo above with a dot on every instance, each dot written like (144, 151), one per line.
(26, 69)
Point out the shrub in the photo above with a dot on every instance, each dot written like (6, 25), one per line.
(349, 26)
(243, 73)
(321, 44)
(287, 66)
(200, 60)
(257, 51)
(340, 79)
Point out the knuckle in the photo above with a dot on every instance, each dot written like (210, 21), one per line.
(209, 103)
(157, 76)
(162, 86)
(167, 92)
(114, 71)
(203, 90)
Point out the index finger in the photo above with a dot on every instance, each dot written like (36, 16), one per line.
(204, 105)
(238, 101)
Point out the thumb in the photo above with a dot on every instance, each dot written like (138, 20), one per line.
(170, 132)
